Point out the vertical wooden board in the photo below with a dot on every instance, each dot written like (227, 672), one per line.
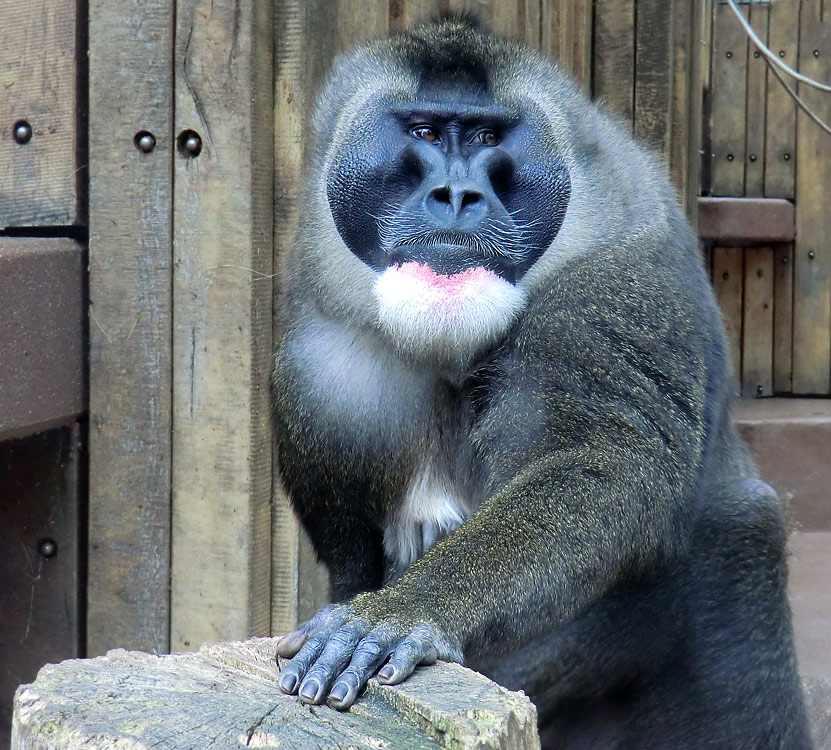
(780, 137)
(305, 36)
(223, 249)
(685, 103)
(754, 176)
(39, 69)
(566, 35)
(360, 21)
(130, 90)
(782, 318)
(518, 20)
(812, 257)
(40, 596)
(613, 80)
(653, 74)
(404, 14)
(757, 328)
(581, 44)
(729, 101)
(728, 285)
(704, 51)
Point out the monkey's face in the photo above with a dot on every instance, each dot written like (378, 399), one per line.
(449, 198)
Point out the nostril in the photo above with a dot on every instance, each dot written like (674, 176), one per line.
(469, 197)
(441, 194)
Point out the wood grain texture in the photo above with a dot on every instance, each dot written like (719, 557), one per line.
(130, 321)
(360, 21)
(222, 289)
(754, 167)
(224, 697)
(782, 318)
(653, 74)
(780, 135)
(613, 79)
(729, 104)
(567, 30)
(405, 14)
(304, 48)
(728, 284)
(812, 257)
(757, 323)
(39, 66)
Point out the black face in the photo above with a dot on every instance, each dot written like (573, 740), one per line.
(449, 183)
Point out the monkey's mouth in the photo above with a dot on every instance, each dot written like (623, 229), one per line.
(450, 257)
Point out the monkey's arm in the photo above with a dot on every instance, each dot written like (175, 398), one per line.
(554, 539)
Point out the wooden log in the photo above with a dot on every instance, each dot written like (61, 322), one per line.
(225, 696)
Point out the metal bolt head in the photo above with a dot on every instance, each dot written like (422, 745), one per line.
(757, 54)
(190, 143)
(22, 132)
(730, 157)
(729, 55)
(752, 157)
(786, 157)
(760, 391)
(781, 53)
(47, 547)
(145, 141)
(812, 254)
(816, 53)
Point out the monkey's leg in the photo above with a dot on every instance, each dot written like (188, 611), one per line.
(740, 688)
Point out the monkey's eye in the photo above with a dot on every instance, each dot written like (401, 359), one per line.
(425, 133)
(486, 138)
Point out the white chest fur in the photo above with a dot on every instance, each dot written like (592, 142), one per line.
(431, 510)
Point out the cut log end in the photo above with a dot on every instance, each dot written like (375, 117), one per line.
(226, 696)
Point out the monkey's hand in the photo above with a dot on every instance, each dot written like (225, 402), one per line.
(342, 646)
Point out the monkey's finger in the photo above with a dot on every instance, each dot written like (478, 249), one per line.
(411, 652)
(331, 662)
(368, 656)
(295, 670)
(290, 644)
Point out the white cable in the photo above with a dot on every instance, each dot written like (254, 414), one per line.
(772, 58)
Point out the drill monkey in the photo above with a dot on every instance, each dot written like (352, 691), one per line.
(502, 404)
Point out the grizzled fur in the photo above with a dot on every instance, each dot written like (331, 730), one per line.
(619, 559)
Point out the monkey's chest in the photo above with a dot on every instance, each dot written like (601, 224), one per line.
(432, 508)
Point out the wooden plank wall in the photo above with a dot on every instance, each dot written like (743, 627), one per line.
(756, 141)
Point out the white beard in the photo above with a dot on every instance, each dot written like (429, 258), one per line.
(448, 319)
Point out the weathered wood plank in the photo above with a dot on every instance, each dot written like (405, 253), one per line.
(757, 326)
(729, 104)
(225, 697)
(304, 47)
(614, 56)
(745, 221)
(43, 179)
(653, 74)
(40, 525)
(566, 35)
(782, 317)
(222, 289)
(780, 136)
(754, 168)
(130, 270)
(42, 335)
(728, 284)
(360, 21)
(812, 257)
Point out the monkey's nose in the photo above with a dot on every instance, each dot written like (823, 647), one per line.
(457, 204)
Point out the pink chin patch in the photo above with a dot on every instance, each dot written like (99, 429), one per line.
(448, 285)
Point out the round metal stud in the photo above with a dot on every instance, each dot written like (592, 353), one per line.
(730, 157)
(812, 254)
(816, 53)
(47, 547)
(781, 53)
(757, 54)
(22, 132)
(752, 157)
(729, 55)
(190, 143)
(145, 141)
(786, 157)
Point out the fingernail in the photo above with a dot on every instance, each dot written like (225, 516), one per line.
(339, 692)
(387, 673)
(309, 690)
(288, 682)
